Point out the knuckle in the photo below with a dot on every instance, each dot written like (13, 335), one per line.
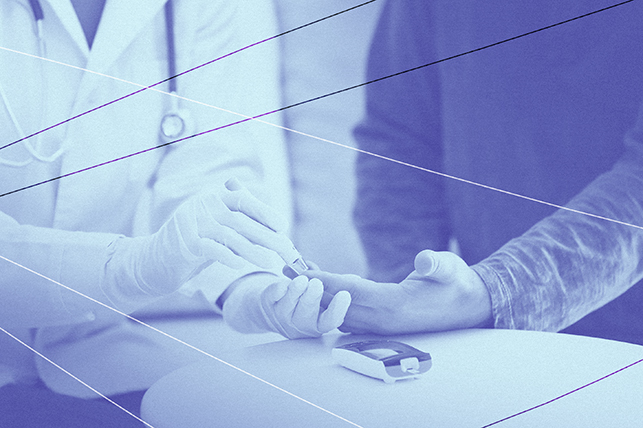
(219, 232)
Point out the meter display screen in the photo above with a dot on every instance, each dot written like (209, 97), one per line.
(379, 354)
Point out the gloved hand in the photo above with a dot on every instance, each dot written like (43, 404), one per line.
(294, 308)
(229, 228)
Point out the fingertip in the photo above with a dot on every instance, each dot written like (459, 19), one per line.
(341, 302)
(298, 286)
(233, 184)
(317, 283)
(334, 315)
(344, 298)
(425, 263)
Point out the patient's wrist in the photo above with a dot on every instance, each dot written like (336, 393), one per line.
(483, 307)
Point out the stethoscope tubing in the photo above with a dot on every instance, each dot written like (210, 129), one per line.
(172, 124)
(33, 151)
(171, 52)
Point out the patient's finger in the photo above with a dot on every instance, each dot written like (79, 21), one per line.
(334, 283)
(312, 265)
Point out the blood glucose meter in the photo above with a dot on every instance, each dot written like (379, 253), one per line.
(383, 359)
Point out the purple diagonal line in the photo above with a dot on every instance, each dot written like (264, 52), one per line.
(136, 153)
(529, 33)
(187, 71)
(321, 96)
(565, 394)
(148, 150)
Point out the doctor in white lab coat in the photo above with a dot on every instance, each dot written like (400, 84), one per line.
(63, 229)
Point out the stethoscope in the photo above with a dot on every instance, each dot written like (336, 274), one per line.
(173, 123)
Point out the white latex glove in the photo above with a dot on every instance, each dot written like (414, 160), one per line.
(263, 302)
(229, 228)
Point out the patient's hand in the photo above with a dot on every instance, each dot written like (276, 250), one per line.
(264, 302)
(443, 293)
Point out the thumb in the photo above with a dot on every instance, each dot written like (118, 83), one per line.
(437, 265)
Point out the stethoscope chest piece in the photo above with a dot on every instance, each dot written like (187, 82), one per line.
(172, 125)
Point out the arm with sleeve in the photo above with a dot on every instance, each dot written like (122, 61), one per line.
(76, 260)
(59, 279)
(246, 83)
(570, 264)
(403, 123)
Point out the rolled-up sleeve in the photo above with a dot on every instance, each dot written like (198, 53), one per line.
(572, 263)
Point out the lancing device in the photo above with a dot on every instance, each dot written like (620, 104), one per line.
(295, 267)
(295, 264)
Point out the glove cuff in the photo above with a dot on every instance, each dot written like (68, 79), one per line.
(242, 306)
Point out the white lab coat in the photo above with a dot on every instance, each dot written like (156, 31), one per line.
(62, 229)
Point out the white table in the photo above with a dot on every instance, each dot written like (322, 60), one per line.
(478, 378)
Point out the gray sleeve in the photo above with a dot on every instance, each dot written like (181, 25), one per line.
(570, 264)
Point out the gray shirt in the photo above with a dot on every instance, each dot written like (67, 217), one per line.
(543, 116)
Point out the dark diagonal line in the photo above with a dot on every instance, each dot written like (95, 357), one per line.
(459, 55)
(134, 154)
(316, 98)
(564, 395)
(186, 71)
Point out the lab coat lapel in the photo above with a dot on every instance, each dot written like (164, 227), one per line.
(121, 22)
(67, 16)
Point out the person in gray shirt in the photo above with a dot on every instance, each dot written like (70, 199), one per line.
(543, 116)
